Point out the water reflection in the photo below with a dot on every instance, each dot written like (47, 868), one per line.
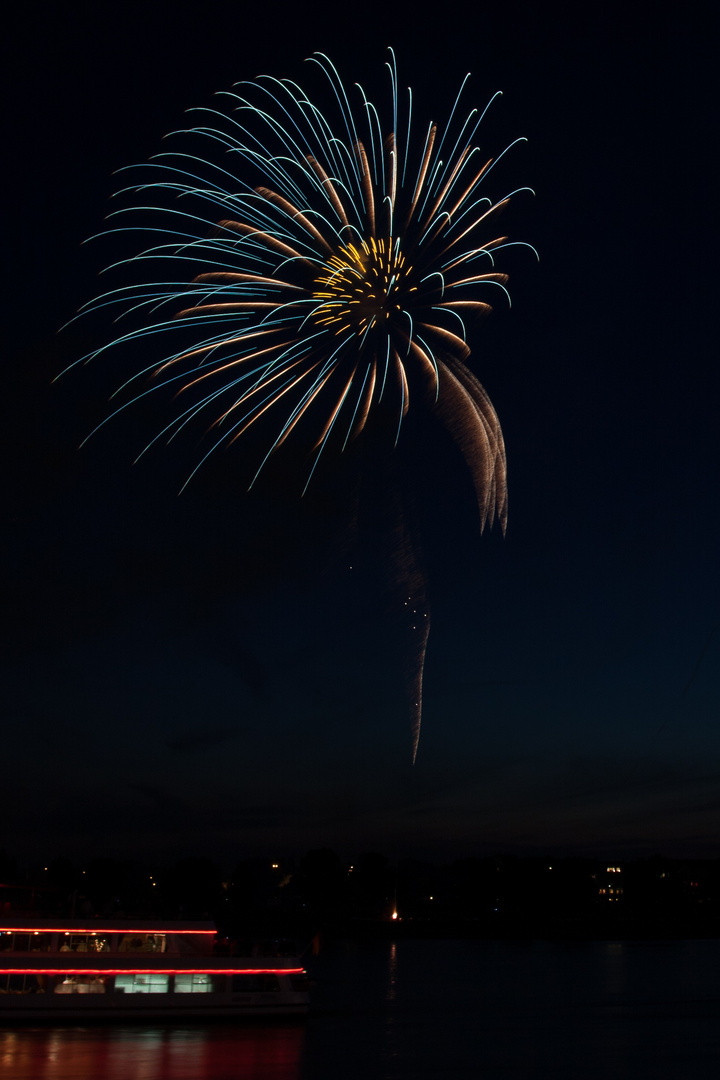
(613, 968)
(212, 1052)
(417, 1010)
(392, 973)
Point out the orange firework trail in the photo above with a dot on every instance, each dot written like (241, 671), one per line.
(308, 269)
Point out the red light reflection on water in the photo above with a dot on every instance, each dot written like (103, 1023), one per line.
(216, 1052)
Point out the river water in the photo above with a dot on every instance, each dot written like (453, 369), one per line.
(431, 1010)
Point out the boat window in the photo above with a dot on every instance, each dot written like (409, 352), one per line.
(255, 983)
(139, 943)
(20, 943)
(194, 984)
(32, 941)
(80, 984)
(22, 984)
(83, 943)
(142, 984)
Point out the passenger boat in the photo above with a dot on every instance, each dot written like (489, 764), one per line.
(70, 968)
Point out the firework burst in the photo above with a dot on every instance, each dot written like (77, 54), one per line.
(333, 266)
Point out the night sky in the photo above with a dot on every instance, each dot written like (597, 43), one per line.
(222, 674)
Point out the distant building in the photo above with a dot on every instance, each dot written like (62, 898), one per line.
(609, 884)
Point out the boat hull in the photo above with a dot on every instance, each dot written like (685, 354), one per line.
(149, 1006)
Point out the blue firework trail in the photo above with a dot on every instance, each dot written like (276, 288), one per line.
(322, 268)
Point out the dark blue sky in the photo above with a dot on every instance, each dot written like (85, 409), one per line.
(207, 674)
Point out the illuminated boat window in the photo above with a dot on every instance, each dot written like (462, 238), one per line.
(80, 943)
(142, 984)
(80, 984)
(194, 984)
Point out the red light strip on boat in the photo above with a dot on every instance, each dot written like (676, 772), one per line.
(93, 930)
(152, 971)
